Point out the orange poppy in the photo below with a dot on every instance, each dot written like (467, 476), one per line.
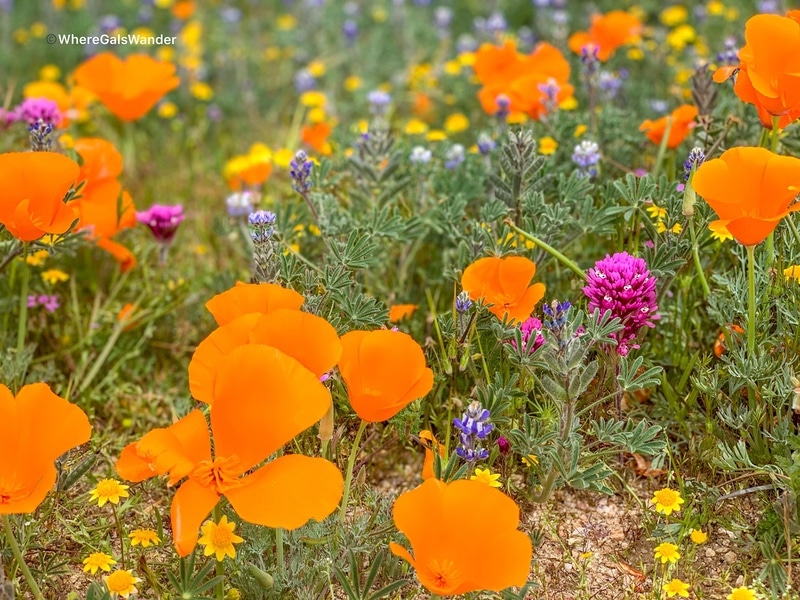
(248, 424)
(128, 88)
(503, 284)
(104, 207)
(682, 123)
(449, 557)
(750, 189)
(398, 312)
(431, 444)
(309, 339)
(724, 335)
(183, 9)
(522, 79)
(36, 428)
(768, 75)
(607, 33)
(121, 254)
(34, 185)
(384, 372)
(246, 298)
(316, 136)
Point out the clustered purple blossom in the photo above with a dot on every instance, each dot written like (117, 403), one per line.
(486, 144)
(50, 303)
(262, 223)
(378, 102)
(41, 136)
(241, 203)
(730, 53)
(474, 427)
(463, 303)
(694, 160)
(163, 221)
(31, 111)
(455, 156)
(532, 338)
(623, 285)
(503, 103)
(586, 155)
(300, 172)
(549, 91)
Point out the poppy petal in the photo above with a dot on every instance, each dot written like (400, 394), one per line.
(246, 298)
(262, 399)
(288, 491)
(191, 505)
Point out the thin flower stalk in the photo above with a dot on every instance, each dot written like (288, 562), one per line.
(349, 475)
(26, 572)
(549, 249)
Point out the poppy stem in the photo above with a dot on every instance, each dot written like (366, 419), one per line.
(549, 249)
(26, 572)
(751, 297)
(120, 533)
(350, 464)
(219, 568)
(22, 327)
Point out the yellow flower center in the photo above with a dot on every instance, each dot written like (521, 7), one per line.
(108, 488)
(120, 582)
(221, 475)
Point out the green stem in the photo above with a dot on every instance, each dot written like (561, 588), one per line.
(120, 533)
(279, 549)
(793, 227)
(751, 296)
(698, 266)
(26, 572)
(662, 149)
(350, 464)
(549, 249)
(22, 326)
(774, 135)
(220, 567)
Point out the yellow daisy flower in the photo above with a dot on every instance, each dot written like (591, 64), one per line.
(676, 587)
(698, 536)
(97, 560)
(121, 584)
(37, 258)
(742, 593)
(144, 537)
(667, 501)
(487, 477)
(53, 276)
(719, 232)
(667, 552)
(547, 145)
(109, 490)
(218, 538)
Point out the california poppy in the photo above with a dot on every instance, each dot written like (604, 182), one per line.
(128, 88)
(750, 189)
(384, 372)
(398, 312)
(768, 75)
(503, 284)
(316, 136)
(246, 298)
(36, 428)
(525, 81)
(449, 557)
(248, 423)
(309, 339)
(431, 445)
(606, 33)
(103, 207)
(682, 123)
(34, 185)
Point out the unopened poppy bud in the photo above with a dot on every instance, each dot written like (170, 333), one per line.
(264, 579)
(689, 199)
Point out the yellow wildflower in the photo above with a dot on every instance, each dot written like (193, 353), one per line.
(316, 68)
(97, 560)
(416, 127)
(313, 99)
(667, 501)
(487, 477)
(218, 538)
(456, 123)
(53, 276)
(49, 73)
(109, 490)
(676, 587)
(667, 552)
(719, 231)
(121, 583)
(286, 22)
(201, 90)
(674, 15)
(144, 537)
(742, 593)
(37, 258)
(698, 536)
(530, 460)
(167, 110)
(436, 135)
(547, 145)
(352, 83)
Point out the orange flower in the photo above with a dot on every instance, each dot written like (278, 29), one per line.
(607, 33)
(316, 136)
(384, 372)
(522, 79)
(33, 186)
(724, 335)
(265, 398)
(398, 312)
(502, 283)
(246, 298)
(36, 428)
(129, 88)
(449, 557)
(750, 189)
(682, 123)
(183, 9)
(431, 444)
(104, 207)
(769, 70)
(309, 339)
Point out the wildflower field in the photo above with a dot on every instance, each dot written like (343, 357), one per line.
(361, 299)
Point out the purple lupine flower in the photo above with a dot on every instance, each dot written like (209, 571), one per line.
(694, 160)
(473, 427)
(586, 155)
(486, 144)
(304, 81)
(41, 136)
(162, 220)
(623, 285)
(31, 110)
(730, 52)
(549, 91)
(240, 203)
(420, 155)
(455, 156)
(350, 30)
(300, 172)
(378, 102)
(532, 338)
(463, 303)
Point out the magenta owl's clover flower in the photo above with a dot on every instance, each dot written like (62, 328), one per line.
(623, 285)
(31, 110)
(162, 220)
(532, 338)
